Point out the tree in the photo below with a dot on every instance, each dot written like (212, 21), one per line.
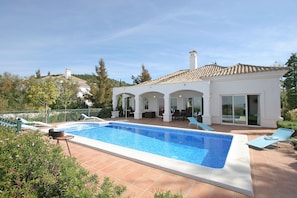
(101, 90)
(6, 90)
(290, 84)
(12, 92)
(145, 76)
(67, 93)
(42, 93)
(38, 73)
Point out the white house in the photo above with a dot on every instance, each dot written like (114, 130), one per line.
(82, 87)
(239, 95)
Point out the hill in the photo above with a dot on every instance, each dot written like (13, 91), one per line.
(92, 78)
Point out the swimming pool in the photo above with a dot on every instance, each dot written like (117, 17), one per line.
(229, 168)
(205, 149)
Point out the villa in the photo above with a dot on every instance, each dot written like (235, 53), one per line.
(82, 86)
(242, 94)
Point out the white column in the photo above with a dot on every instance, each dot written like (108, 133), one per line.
(206, 118)
(115, 112)
(167, 117)
(123, 102)
(114, 102)
(138, 103)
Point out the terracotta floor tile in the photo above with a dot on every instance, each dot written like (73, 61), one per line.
(200, 190)
(221, 193)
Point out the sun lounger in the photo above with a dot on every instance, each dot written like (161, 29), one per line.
(201, 125)
(29, 127)
(7, 123)
(13, 124)
(35, 123)
(281, 134)
(91, 117)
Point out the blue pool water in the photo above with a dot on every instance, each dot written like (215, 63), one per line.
(206, 149)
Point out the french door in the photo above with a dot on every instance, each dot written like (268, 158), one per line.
(241, 109)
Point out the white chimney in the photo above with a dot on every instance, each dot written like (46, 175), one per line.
(68, 73)
(193, 60)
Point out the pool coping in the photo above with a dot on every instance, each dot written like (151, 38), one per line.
(235, 175)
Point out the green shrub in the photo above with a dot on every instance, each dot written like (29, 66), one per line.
(110, 190)
(290, 125)
(292, 115)
(30, 166)
(105, 113)
(287, 124)
(167, 194)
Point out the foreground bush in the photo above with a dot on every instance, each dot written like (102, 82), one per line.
(32, 167)
(292, 115)
(167, 194)
(290, 125)
(105, 113)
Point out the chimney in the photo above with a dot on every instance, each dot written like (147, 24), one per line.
(193, 60)
(68, 73)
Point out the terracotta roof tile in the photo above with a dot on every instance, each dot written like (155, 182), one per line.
(212, 70)
(166, 78)
(243, 69)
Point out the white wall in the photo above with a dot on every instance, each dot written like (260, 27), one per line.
(267, 89)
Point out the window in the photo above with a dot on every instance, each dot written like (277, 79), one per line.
(233, 109)
(239, 109)
(227, 109)
(197, 104)
(173, 104)
(146, 104)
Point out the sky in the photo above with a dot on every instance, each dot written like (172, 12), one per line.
(51, 36)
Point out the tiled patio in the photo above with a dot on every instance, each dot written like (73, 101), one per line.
(273, 170)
